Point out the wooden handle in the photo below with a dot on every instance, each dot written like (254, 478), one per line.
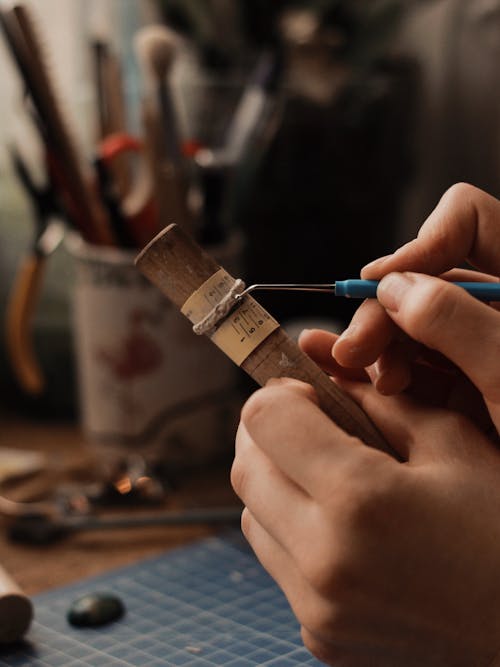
(19, 324)
(169, 185)
(16, 610)
(178, 266)
(64, 162)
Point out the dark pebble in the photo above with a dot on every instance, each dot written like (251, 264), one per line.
(95, 609)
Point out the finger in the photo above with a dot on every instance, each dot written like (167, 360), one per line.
(368, 334)
(318, 345)
(418, 432)
(393, 415)
(439, 387)
(299, 438)
(465, 275)
(326, 633)
(306, 604)
(468, 275)
(392, 372)
(266, 491)
(372, 341)
(273, 557)
(432, 385)
(300, 387)
(465, 225)
(444, 317)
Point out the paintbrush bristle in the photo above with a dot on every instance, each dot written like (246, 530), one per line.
(156, 47)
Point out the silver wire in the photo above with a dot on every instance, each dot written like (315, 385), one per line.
(300, 287)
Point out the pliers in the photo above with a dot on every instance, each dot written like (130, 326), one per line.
(48, 233)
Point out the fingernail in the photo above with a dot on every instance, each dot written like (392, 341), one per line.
(347, 334)
(375, 263)
(350, 331)
(377, 374)
(346, 349)
(373, 372)
(304, 332)
(392, 290)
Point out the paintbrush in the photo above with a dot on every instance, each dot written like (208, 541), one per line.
(156, 48)
(111, 115)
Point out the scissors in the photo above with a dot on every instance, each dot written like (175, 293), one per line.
(23, 296)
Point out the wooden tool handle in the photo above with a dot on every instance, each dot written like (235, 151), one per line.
(169, 185)
(16, 610)
(19, 324)
(178, 266)
(76, 192)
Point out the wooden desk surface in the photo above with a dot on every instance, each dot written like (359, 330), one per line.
(37, 569)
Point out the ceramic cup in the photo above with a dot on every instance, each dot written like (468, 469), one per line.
(147, 384)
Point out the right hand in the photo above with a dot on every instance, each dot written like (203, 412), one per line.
(435, 333)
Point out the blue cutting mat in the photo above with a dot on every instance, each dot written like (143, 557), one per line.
(209, 603)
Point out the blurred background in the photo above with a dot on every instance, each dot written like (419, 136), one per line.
(296, 140)
(318, 133)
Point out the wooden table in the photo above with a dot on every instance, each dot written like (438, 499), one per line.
(84, 554)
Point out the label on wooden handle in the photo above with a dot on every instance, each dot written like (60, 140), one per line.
(242, 330)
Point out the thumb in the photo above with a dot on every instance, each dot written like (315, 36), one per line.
(444, 317)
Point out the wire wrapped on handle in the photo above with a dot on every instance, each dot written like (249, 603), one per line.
(178, 266)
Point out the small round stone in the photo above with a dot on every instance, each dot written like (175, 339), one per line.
(95, 609)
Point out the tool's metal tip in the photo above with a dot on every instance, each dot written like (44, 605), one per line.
(247, 290)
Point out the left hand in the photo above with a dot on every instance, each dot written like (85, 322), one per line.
(384, 564)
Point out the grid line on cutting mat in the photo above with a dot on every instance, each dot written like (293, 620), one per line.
(208, 603)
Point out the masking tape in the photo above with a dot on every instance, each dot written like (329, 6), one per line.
(242, 330)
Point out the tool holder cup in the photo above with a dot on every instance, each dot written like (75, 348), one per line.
(147, 386)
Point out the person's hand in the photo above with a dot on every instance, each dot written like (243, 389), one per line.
(384, 563)
(389, 563)
(416, 308)
(422, 334)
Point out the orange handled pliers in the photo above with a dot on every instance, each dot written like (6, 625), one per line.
(23, 297)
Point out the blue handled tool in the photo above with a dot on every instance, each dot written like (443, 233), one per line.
(367, 289)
